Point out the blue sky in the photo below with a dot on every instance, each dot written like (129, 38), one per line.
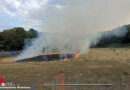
(6, 22)
(13, 13)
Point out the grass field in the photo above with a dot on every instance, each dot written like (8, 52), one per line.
(100, 65)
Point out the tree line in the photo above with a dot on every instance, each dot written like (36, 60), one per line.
(115, 41)
(14, 39)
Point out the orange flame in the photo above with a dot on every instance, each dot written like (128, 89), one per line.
(77, 55)
(12, 59)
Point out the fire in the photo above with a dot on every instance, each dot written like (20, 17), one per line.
(51, 57)
(77, 55)
(12, 60)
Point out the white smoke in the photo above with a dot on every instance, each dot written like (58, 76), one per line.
(74, 25)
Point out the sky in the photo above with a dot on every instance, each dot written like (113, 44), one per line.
(100, 14)
(13, 13)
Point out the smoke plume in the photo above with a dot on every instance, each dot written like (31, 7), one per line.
(74, 25)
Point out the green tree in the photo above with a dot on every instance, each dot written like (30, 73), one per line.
(14, 38)
(32, 33)
(127, 39)
(1, 41)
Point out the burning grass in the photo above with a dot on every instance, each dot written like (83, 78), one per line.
(98, 66)
(50, 57)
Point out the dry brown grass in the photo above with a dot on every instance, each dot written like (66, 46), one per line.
(98, 66)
